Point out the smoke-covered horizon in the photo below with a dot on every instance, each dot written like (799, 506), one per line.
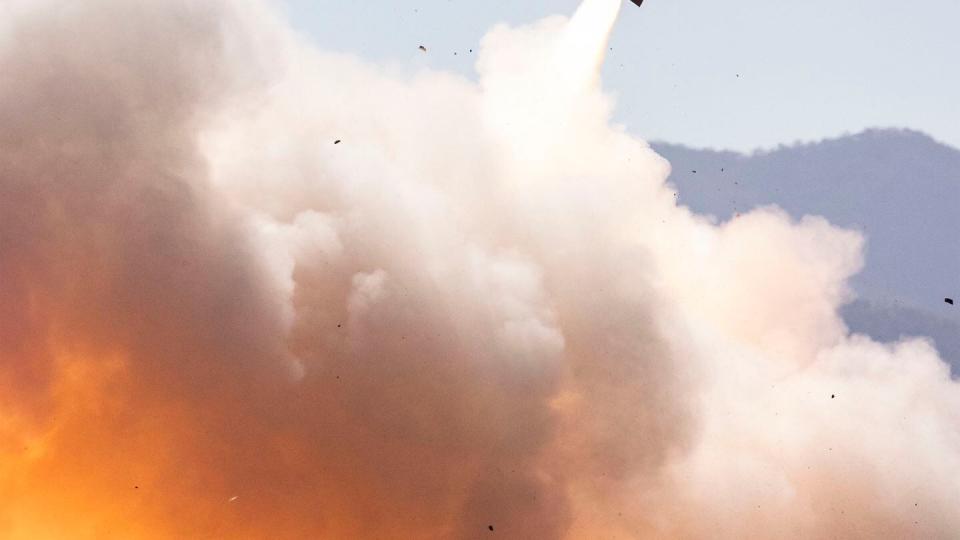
(480, 313)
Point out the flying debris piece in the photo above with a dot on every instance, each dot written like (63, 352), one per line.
(948, 300)
(422, 48)
(637, 2)
(235, 497)
(336, 141)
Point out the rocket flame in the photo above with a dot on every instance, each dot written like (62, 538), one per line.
(480, 313)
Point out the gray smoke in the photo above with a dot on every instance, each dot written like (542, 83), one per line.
(481, 309)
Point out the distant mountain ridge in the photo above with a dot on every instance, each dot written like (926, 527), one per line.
(899, 187)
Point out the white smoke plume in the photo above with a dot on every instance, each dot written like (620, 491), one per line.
(480, 314)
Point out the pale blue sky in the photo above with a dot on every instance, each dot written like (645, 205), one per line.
(807, 70)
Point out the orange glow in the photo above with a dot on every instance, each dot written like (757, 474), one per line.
(481, 314)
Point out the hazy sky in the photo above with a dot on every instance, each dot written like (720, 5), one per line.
(806, 69)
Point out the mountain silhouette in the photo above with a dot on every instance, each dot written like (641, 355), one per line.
(899, 187)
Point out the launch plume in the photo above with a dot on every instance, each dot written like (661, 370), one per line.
(480, 313)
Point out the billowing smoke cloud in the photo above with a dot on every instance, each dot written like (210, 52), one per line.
(482, 313)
